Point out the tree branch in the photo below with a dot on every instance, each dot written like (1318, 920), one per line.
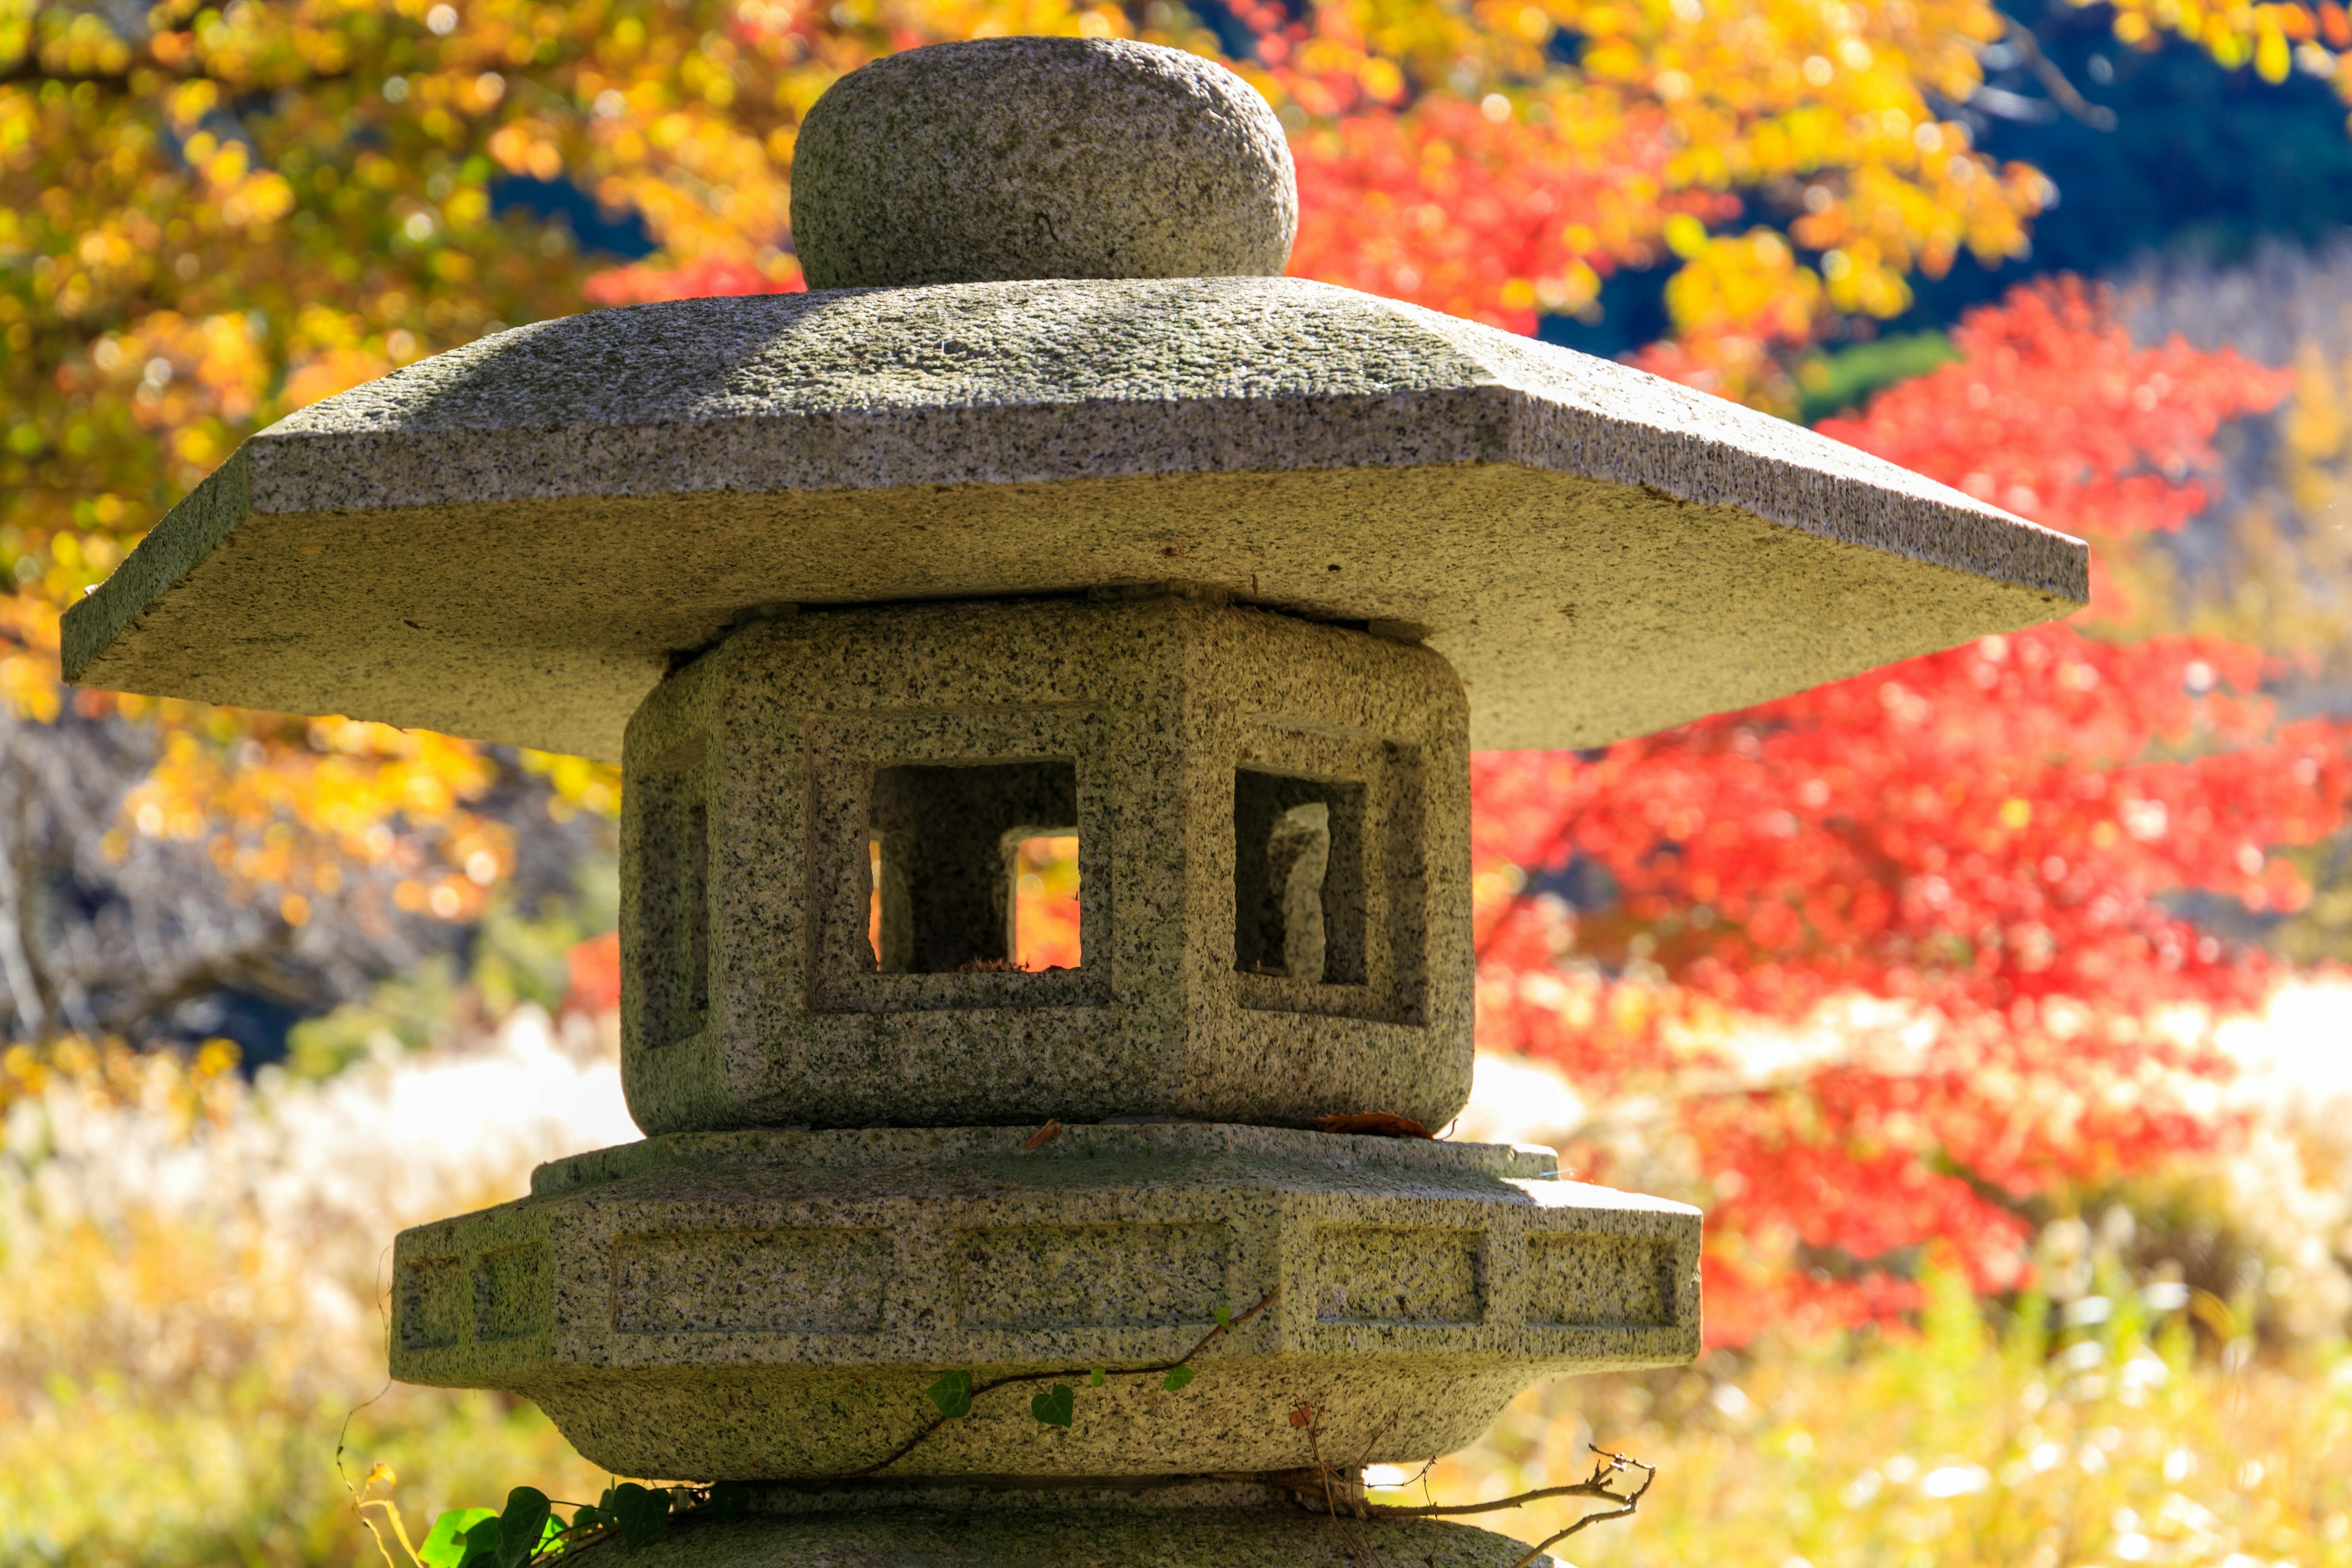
(2020, 37)
(1631, 1500)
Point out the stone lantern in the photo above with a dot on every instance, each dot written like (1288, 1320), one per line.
(1054, 509)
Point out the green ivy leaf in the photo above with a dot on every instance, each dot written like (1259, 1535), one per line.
(730, 1500)
(953, 1395)
(1225, 1315)
(445, 1544)
(1056, 1406)
(1097, 1378)
(587, 1517)
(522, 1527)
(1177, 1377)
(642, 1512)
(481, 1544)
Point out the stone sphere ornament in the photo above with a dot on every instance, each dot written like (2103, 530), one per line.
(1032, 158)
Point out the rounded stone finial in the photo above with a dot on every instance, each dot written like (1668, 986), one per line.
(1037, 158)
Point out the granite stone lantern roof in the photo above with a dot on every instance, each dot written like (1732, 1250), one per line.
(1067, 366)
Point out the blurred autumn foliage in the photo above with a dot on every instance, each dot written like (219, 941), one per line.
(1963, 871)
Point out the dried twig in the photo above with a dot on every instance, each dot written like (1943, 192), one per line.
(2028, 49)
(1359, 1547)
(1317, 1481)
(1627, 1503)
(911, 1444)
(1592, 1489)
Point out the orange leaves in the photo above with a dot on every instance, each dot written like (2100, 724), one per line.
(711, 276)
(2275, 39)
(527, 147)
(1481, 215)
(1669, 108)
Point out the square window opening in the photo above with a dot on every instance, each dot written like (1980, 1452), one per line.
(1299, 878)
(974, 867)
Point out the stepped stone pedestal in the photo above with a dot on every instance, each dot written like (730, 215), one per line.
(1058, 514)
(745, 1305)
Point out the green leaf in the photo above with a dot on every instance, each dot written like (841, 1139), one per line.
(1225, 1315)
(1177, 1377)
(1097, 1377)
(481, 1544)
(1056, 1406)
(522, 1527)
(953, 1395)
(730, 1500)
(587, 1517)
(642, 1512)
(445, 1544)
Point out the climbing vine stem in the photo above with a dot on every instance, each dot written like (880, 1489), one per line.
(954, 1391)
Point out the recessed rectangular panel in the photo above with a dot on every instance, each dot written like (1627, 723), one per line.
(1090, 1276)
(1399, 1274)
(810, 1281)
(510, 1292)
(432, 1303)
(1587, 1279)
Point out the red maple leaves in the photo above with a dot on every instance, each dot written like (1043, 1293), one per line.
(1940, 890)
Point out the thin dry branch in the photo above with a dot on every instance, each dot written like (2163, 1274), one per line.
(1629, 1501)
(1592, 1489)
(2020, 38)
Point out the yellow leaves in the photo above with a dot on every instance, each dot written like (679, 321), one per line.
(467, 207)
(287, 813)
(1380, 80)
(29, 686)
(85, 46)
(189, 102)
(257, 200)
(580, 784)
(1752, 285)
(2273, 37)
(2313, 423)
(2272, 60)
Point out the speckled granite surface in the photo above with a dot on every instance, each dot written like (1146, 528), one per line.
(751, 991)
(513, 539)
(1034, 157)
(1074, 1538)
(771, 1304)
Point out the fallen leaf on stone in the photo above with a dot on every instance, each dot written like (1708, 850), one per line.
(1052, 1130)
(1374, 1124)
